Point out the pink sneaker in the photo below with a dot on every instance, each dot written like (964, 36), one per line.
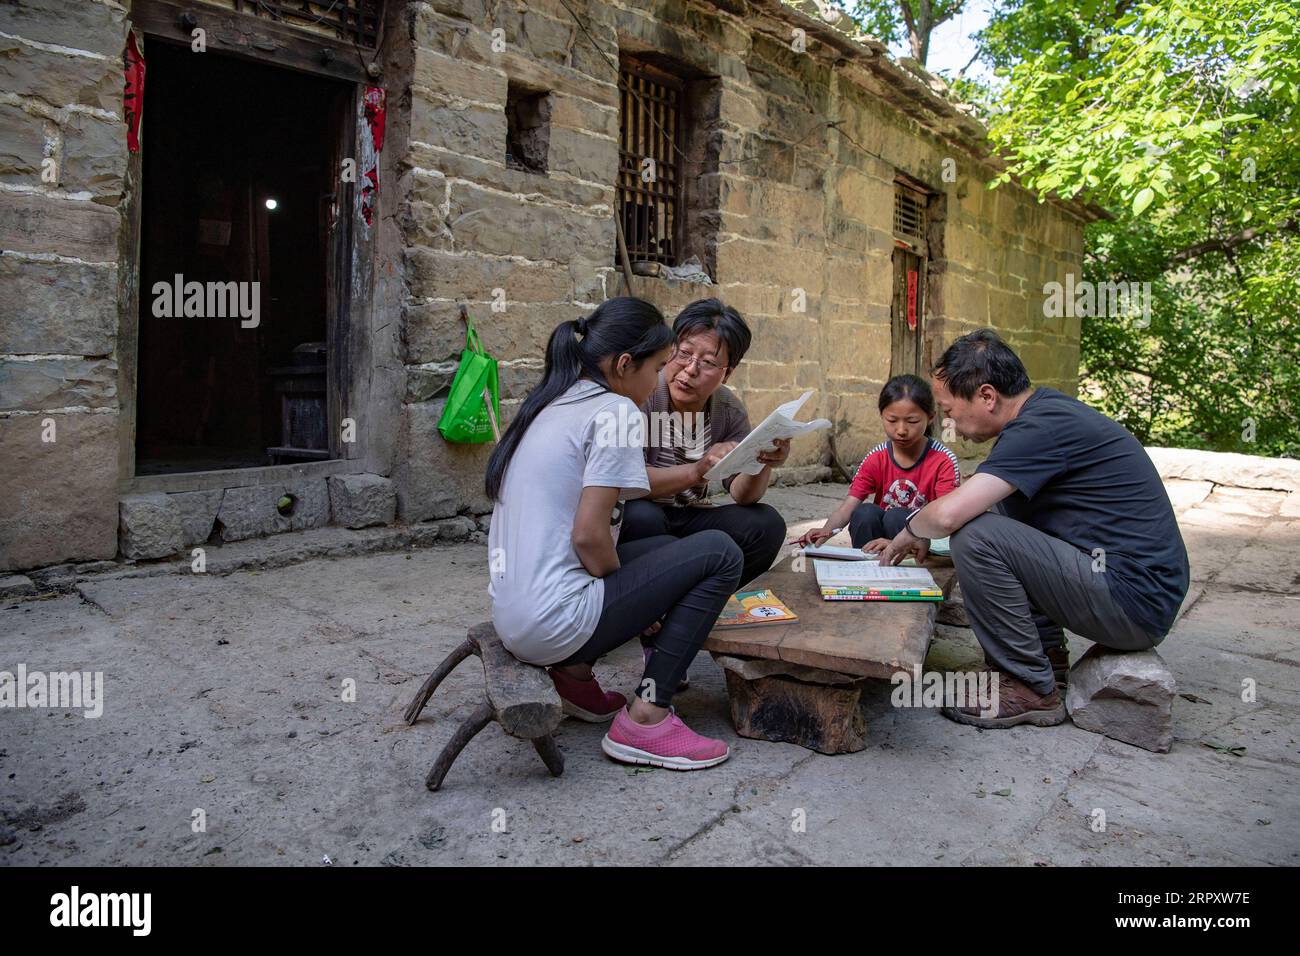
(669, 743)
(686, 680)
(585, 699)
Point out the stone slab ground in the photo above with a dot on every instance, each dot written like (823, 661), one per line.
(224, 693)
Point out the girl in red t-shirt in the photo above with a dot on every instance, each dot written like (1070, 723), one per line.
(898, 475)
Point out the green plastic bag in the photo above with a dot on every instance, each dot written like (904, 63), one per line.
(467, 418)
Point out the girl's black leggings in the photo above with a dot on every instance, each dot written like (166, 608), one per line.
(685, 582)
(869, 522)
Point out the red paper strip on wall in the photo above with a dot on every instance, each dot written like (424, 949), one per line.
(375, 105)
(376, 112)
(133, 91)
(911, 300)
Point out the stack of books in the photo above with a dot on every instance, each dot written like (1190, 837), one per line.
(869, 581)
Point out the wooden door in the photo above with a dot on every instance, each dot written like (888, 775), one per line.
(906, 313)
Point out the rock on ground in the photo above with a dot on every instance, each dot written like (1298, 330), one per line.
(253, 511)
(198, 513)
(1126, 696)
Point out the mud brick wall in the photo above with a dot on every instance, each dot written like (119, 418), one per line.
(799, 206)
(61, 116)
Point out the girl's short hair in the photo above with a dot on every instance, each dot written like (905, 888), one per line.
(910, 388)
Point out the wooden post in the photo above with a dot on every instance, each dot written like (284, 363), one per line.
(622, 251)
(820, 717)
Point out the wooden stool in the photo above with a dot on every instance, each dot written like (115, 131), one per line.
(518, 696)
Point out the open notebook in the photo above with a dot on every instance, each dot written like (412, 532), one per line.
(868, 580)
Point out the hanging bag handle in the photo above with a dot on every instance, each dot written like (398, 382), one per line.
(471, 340)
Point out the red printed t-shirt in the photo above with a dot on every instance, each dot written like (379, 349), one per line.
(882, 481)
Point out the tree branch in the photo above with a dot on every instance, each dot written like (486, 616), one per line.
(1121, 367)
(1231, 242)
(914, 41)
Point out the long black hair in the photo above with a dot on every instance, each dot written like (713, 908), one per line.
(912, 389)
(621, 325)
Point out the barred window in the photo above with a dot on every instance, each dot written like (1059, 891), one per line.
(909, 216)
(650, 171)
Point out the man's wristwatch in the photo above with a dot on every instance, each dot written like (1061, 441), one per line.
(907, 522)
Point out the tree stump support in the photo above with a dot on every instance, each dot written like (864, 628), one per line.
(793, 703)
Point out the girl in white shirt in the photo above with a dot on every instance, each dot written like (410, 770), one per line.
(563, 593)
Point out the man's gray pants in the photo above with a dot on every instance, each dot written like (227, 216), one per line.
(1022, 587)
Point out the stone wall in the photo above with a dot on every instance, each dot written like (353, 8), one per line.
(804, 149)
(802, 205)
(62, 165)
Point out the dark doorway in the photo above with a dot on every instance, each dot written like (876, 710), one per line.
(239, 179)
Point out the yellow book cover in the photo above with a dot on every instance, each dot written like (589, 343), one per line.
(754, 607)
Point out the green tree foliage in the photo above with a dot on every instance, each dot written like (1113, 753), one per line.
(912, 20)
(1182, 119)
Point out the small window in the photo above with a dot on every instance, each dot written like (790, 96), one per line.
(669, 135)
(649, 169)
(528, 128)
(909, 216)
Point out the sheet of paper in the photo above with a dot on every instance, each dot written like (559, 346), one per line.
(743, 459)
(834, 551)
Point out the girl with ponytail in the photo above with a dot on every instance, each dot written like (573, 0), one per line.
(563, 592)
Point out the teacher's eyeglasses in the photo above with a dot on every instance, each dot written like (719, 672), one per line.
(687, 359)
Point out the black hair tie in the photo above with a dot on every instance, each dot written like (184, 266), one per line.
(580, 326)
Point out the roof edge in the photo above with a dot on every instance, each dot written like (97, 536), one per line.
(918, 85)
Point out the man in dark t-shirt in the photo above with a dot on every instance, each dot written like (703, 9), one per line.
(1081, 533)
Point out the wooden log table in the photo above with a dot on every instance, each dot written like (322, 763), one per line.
(801, 682)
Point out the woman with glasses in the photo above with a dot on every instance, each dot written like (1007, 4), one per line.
(694, 421)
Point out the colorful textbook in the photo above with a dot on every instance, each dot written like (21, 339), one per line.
(869, 581)
(754, 607)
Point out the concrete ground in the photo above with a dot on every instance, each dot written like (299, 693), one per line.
(224, 694)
